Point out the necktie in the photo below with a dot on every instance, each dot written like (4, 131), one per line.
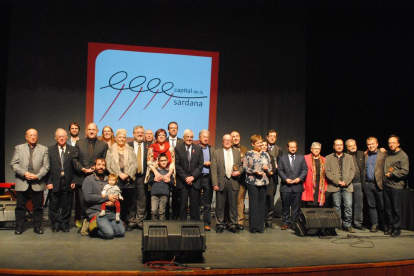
(293, 161)
(173, 143)
(90, 150)
(188, 157)
(228, 164)
(139, 158)
(62, 158)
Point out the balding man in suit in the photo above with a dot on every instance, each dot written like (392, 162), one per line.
(30, 164)
(226, 168)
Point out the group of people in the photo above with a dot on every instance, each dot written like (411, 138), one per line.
(117, 185)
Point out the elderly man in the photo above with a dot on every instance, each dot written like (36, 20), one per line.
(61, 183)
(396, 170)
(30, 164)
(207, 197)
(189, 162)
(107, 226)
(149, 136)
(86, 152)
(340, 170)
(142, 196)
(225, 182)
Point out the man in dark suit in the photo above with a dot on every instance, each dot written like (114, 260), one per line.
(30, 164)
(141, 194)
(83, 160)
(275, 151)
(174, 141)
(357, 182)
(206, 186)
(61, 183)
(225, 182)
(373, 184)
(292, 170)
(188, 165)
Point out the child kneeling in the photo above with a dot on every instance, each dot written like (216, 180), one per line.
(112, 189)
(160, 190)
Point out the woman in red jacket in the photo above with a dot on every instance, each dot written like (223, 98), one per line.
(315, 184)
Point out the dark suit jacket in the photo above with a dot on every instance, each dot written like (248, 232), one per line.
(360, 160)
(300, 170)
(218, 169)
(80, 159)
(181, 165)
(379, 168)
(55, 167)
(145, 153)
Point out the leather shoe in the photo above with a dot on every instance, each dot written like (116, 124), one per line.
(55, 229)
(207, 228)
(130, 227)
(233, 230)
(359, 227)
(389, 231)
(219, 230)
(257, 231)
(18, 231)
(64, 228)
(239, 227)
(374, 228)
(270, 225)
(38, 231)
(396, 233)
(285, 226)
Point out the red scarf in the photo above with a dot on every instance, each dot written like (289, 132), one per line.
(157, 151)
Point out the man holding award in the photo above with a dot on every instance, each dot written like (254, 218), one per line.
(396, 170)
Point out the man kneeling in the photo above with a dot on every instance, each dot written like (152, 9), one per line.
(107, 226)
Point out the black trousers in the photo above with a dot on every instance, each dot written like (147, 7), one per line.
(288, 200)
(188, 191)
(207, 198)
(37, 200)
(60, 206)
(80, 210)
(392, 200)
(128, 205)
(257, 206)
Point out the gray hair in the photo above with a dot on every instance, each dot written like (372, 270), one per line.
(60, 129)
(204, 131)
(349, 140)
(136, 127)
(316, 144)
(187, 131)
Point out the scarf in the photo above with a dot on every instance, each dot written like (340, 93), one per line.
(157, 151)
(321, 196)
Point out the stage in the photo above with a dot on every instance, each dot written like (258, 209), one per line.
(283, 251)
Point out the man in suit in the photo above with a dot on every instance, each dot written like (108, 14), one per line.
(206, 186)
(188, 165)
(292, 170)
(83, 160)
(357, 182)
(142, 195)
(174, 141)
(30, 163)
(225, 182)
(60, 184)
(340, 171)
(235, 136)
(276, 152)
(373, 183)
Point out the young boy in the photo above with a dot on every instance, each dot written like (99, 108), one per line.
(160, 190)
(112, 189)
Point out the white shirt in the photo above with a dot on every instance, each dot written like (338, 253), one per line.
(225, 157)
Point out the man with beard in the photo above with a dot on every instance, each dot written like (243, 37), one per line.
(74, 129)
(107, 226)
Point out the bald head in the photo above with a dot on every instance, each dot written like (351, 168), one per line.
(227, 141)
(31, 136)
(91, 131)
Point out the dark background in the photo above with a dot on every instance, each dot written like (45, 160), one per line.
(312, 70)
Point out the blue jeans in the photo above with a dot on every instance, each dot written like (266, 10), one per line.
(108, 227)
(338, 197)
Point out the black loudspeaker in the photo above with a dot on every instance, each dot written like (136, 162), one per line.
(165, 240)
(317, 221)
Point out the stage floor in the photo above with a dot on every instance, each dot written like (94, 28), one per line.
(273, 249)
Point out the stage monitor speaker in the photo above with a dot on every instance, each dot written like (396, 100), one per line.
(317, 221)
(7, 214)
(164, 240)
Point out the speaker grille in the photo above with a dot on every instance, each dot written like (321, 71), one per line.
(157, 238)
